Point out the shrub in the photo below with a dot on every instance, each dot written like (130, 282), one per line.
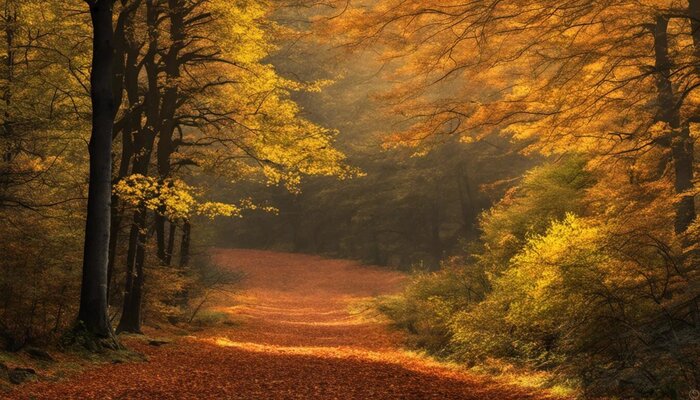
(576, 277)
(430, 301)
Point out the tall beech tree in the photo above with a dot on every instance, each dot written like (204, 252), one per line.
(93, 313)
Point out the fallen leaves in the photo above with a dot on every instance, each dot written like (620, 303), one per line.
(298, 340)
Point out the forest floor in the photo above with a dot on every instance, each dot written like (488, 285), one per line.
(294, 330)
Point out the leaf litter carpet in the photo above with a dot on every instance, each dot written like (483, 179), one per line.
(295, 337)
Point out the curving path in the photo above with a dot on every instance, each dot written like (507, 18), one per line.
(294, 338)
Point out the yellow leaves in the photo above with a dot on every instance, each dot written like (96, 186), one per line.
(175, 199)
(694, 130)
(257, 131)
(271, 130)
(171, 197)
(566, 79)
(660, 130)
(238, 30)
(317, 86)
(555, 245)
(215, 209)
(567, 253)
(521, 90)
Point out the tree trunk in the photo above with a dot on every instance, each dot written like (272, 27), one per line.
(93, 313)
(10, 146)
(125, 80)
(130, 320)
(436, 247)
(694, 14)
(144, 139)
(116, 216)
(680, 142)
(115, 227)
(171, 244)
(682, 150)
(467, 202)
(7, 126)
(161, 250)
(687, 205)
(167, 122)
(185, 244)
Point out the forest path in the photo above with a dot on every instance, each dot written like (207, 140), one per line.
(294, 337)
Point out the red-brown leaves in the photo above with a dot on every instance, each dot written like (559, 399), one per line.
(297, 340)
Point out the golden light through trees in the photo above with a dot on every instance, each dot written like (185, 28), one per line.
(531, 163)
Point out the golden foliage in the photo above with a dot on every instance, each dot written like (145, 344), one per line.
(175, 199)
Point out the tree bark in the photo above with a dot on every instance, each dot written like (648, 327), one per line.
(185, 245)
(694, 14)
(436, 247)
(9, 147)
(8, 126)
(125, 80)
(167, 121)
(116, 215)
(682, 150)
(144, 139)
(130, 320)
(93, 313)
(680, 143)
(161, 250)
(171, 244)
(467, 202)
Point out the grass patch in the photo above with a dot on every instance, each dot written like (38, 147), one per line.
(211, 318)
(368, 310)
(507, 373)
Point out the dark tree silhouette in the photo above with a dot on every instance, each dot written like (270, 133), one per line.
(93, 314)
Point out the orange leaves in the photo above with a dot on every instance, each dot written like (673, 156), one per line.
(328, 354)
(578, 78)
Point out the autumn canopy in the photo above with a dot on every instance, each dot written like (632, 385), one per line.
(529, 165)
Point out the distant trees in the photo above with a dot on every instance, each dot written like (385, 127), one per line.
(412, 206)
(406, 212)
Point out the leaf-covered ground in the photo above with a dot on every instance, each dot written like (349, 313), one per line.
(295, 338)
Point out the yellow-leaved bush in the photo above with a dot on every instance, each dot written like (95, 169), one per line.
(545, 301)
(577, 273)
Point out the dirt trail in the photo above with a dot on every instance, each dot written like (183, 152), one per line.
(296, 339)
